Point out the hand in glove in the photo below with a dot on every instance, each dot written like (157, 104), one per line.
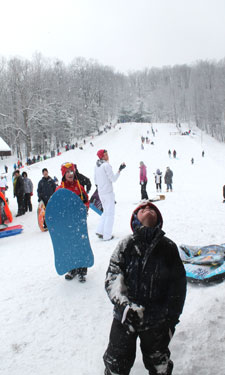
(132, 316)
(122, 166)
(31, 194)
(142, 183)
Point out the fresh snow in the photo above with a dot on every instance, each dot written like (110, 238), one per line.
(53, 326)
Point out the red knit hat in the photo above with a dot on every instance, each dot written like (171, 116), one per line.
(101, 153)
(67, 167)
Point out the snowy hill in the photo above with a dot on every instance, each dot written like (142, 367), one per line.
(54, 326)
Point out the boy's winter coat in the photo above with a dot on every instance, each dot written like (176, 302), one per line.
(46, 188)
(145, 269)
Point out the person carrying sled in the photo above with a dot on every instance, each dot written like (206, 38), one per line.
(146, 282)
(143, 180)
(104, 178)
(28, 190)
(70, 182)
(168, 178)
(18, 188)
(158, 180)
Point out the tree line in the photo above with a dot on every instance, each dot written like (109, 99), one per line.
(45, 103)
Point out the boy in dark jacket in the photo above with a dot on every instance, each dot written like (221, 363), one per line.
(146, 282)
(18, 187)
(46, 187)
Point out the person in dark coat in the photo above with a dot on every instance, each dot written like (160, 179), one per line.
(168, 178)
(224, 194)
(146, 282)
(83, 180)
(18, 188)
(46, 187)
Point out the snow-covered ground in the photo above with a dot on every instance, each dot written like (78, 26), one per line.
(53, 326)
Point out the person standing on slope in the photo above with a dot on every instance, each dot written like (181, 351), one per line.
(46, 187)
(146, 282)
(18, 188)
(158, 181)
(70, 182)
(143, 180)
(104, 178)
(28, 190)
(168, 179)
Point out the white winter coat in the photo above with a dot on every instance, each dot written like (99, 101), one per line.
(104, 177)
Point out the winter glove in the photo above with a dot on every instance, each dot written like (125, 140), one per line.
(122, 166)
(132, 316)
(142, 183)
(31, 194)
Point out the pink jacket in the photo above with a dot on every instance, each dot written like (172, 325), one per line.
(143, 173)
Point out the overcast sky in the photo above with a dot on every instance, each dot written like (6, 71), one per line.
(125, 34)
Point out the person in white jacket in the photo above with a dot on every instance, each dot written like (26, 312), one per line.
(104, 178)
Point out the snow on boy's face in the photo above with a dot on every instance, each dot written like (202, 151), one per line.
(147, 216)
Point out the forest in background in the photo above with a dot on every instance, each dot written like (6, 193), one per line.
(45, 103)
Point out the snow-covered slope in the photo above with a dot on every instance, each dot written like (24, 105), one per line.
(53, 326)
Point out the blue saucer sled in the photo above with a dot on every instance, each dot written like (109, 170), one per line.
(66, 219)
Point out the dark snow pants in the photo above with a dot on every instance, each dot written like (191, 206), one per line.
(20, 202)
(144, 194)
(27, 202)
(121, 352)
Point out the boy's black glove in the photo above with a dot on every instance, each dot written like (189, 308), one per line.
(122, 166)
